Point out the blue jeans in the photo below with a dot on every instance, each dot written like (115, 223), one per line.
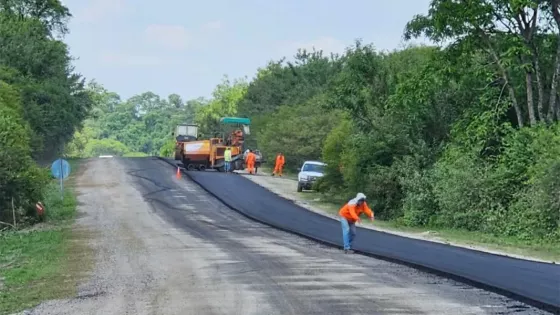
(227, 166)
(348, 233)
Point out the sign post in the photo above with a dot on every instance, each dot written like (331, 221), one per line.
(61, 181)
(60, 169)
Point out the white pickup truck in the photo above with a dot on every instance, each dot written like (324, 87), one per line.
(309, 173)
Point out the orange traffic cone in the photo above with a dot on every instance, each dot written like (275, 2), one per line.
(178, 175)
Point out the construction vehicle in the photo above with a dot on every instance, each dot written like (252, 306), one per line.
(201, 154)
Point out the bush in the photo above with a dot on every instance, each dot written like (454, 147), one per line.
(532, 155)
(21, 180)
(168, 149)
(516, 194)
(419, 202)
(334, 145)
(97, 147)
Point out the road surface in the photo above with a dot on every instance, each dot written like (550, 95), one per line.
(164, 246)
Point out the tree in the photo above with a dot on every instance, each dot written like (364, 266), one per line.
(224, 103)
(21, 181)
(51, 13)
(54, 100)
(507, 31)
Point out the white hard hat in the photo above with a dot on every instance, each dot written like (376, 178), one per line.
(360, 196)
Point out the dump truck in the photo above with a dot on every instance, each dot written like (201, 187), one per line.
(201, 154)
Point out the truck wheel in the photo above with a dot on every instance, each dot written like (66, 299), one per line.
(299, 188)
(238, 165)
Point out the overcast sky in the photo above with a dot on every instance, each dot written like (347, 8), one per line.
(185, 47)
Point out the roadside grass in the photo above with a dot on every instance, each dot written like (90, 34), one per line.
(135, 154)
(267, 169)
(544, 251)
(44, 261)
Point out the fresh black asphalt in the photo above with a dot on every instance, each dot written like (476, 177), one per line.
(534, 282)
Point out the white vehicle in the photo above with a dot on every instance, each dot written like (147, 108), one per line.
(309, 173)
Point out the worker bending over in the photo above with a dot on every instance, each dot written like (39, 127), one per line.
(250, 162)
(349, 215)
(279, 165)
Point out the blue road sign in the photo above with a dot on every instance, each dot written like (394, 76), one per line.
(60, 169)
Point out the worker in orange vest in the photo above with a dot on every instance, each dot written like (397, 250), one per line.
(279, 165)
(250, 162)
(349, 215)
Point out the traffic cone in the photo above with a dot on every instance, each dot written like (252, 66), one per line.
(178, 175)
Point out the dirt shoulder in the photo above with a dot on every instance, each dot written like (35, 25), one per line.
(47, 260)
(286, 188)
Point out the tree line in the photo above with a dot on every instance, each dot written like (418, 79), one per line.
(462, 135)
(42, 99)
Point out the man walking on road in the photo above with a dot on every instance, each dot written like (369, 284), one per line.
(227, 160)
(349, 215)
(279, 165)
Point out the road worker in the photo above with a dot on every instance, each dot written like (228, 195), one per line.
(250, 162)
(279, 165)
(227, 159)
(349, 215)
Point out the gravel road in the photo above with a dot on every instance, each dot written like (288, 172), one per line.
(164, 246)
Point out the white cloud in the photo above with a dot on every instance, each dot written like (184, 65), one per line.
(175, 37)
(99, 9)
(120, 59)
(325, 43)
(212, 26)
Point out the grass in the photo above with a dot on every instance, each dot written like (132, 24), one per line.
(267, 169)
(135, 154)
(45, 261)
(544, 251)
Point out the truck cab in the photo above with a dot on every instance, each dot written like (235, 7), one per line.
(309, 173)
(184, 133)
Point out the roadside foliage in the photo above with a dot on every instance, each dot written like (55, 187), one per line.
(42, 101)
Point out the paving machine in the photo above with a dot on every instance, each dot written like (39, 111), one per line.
(202, 154)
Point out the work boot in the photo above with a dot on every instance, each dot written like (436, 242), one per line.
(348, 251)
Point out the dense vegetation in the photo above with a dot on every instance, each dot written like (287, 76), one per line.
(465, 135)
(42, 101)
(143, 124)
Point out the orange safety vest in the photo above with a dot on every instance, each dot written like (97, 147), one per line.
(352, 212)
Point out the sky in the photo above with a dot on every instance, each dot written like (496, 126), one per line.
(186, 47)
